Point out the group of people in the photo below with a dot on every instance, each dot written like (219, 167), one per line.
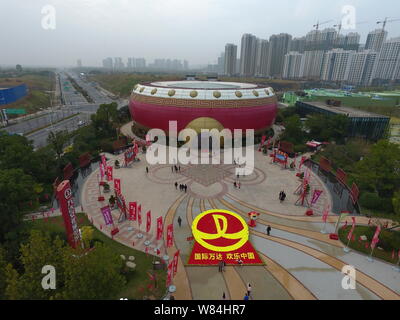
(182, 187)
(176, 168)
(236, 184)
(282, 196)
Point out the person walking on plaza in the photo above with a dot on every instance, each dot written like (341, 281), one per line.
(280, 196)
(223, 265)
(223, 296)
(220, 266)
(185, 188)
(147, 169)
(249, 290)
(179, 221)
(283, 196)
(176, 185)
(234, 184)
(179, 168)
(268, 229)
(238, 184)
(246, 297)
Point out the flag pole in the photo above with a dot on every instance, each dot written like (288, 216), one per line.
(370, 256)
(347, 249)
(324, 228)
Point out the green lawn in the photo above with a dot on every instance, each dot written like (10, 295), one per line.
(388, 240)
(136, 287)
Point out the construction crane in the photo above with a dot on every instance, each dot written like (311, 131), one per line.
(316, 26)
(339, 25)
(386, 21)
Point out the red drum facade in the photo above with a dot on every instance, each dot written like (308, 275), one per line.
(246, 106)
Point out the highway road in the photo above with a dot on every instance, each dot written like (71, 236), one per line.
(74, 103)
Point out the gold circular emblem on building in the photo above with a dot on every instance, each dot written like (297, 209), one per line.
(255, 93)
(171, 93)
(154, 91)
(238, 94)
(266, 91)
(193, 93)
(217, 94)
(142, 89)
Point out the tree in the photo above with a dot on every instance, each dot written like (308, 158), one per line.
(293, 130)
(40, 251)
(18, 67)
(16, 195)
(3, 265)
(93, 275)
(327, 128)
(379, 171)
(396, 202)
(106, 119)
(58, 141)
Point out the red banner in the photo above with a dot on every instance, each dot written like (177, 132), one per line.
(354, 193)
(341, 176)
(67, 208)
(139, 214)
(325, 164)
(159, 228)
(175, 261)
(117, 186)
(169, 275)
(325, 213)
(349, 236)
(109, 173)
(375, 239)
(148, 221)
(170, 235)
(132, 211)
(129, 156)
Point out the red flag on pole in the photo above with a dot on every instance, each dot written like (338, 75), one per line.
(170, 235)
(139, 214)
(350, 235)
(375, 239)
(117, 186)
(132, 211)
(148, 221)
(176, 257)
(169, 275)
(159, 228)
(109, 173)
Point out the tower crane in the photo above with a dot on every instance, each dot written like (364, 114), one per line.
(384, 22)
(316, 26)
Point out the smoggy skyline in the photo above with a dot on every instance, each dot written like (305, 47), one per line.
(197, 31)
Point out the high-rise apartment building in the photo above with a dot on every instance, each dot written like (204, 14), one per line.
(362, 67)
(262, 58)
(336, 65)
(375, 40)
(293, 67)
(108, 63)
(388, 60)
(298, 44)
(313, 64)
(230, 59)
(279, 45)
(248, 55)
(79, 63)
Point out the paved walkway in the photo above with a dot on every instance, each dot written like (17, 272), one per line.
(301, 262)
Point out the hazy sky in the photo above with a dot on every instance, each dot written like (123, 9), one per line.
(196, 30)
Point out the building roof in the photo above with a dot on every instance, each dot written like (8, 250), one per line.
(350, 112)
(204, 90)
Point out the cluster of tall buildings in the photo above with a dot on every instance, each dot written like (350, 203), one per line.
(133, 64)
(320, 55)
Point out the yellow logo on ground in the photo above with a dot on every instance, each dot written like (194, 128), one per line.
(221, 232)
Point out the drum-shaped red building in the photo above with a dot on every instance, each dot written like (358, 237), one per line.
(203, 105)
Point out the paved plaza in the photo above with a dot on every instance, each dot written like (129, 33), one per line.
(300, 261)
